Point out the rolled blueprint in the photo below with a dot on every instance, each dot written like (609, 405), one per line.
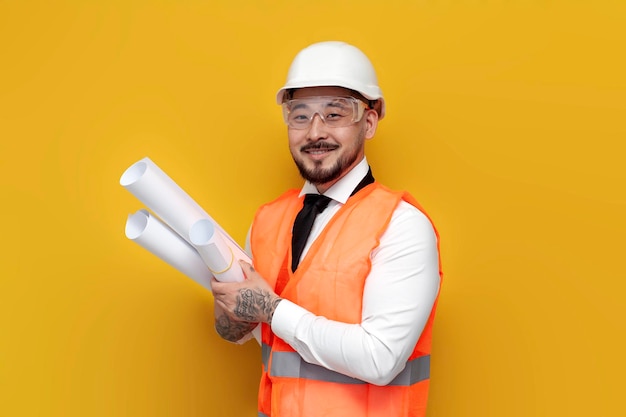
(189, 226)
(146, 181)
(216, 253)
(152, 186)
(150, 233)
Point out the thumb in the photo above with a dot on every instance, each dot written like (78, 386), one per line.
(246, 268)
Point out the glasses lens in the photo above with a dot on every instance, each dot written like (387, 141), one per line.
(334, 111)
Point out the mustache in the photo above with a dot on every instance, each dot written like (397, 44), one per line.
(317, 146)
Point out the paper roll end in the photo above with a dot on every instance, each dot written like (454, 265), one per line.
(201, 232)
(133, 173)
(136, 224)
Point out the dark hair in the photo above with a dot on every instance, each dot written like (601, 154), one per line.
(288, 95)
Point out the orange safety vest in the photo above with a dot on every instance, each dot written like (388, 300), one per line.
(329, 282)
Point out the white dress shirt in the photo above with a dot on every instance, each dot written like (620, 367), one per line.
(397, 300)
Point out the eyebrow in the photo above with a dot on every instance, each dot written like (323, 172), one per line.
(304, 104)
(334, 104)
(298, 106)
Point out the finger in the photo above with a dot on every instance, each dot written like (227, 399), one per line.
(221, 305)
(215, 286)
(246, 268)
(219, 291)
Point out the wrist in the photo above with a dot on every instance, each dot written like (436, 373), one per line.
(274, 303)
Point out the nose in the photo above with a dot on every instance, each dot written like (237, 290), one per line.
(318, 129)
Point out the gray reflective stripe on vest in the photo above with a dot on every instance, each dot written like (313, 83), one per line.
(291, 365)
(262, 414)
(265, 354)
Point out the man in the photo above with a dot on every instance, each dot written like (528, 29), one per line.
(346, 325)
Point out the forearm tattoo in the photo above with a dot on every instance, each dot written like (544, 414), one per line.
(256, 305)
(232, 330)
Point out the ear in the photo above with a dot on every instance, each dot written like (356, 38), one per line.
(371, 123)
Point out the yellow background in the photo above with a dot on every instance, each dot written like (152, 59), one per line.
(505, 119)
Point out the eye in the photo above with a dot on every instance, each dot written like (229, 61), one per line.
(336, 112)
(298, 117)
(333, 116)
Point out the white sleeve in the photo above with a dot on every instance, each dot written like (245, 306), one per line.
(398, 297)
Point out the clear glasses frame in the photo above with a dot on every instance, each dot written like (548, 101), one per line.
(334, 111)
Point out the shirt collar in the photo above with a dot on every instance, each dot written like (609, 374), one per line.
(341, 190)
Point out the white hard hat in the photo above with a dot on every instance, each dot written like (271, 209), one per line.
(334, 64)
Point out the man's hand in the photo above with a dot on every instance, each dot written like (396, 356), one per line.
(250, 301)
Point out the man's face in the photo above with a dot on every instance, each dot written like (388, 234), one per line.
(325, 154)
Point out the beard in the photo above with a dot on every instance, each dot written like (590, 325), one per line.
(319, 175)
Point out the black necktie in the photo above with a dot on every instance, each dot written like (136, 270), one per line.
(314, 204)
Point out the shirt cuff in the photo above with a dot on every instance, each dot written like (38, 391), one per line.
(285, 320)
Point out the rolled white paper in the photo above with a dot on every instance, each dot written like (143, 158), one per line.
(146, 181)
(153, 187)
(220, 257)
(160, 240)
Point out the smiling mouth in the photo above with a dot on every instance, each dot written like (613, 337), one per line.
(318, 148)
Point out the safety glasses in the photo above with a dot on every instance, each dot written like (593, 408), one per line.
(333, 111)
